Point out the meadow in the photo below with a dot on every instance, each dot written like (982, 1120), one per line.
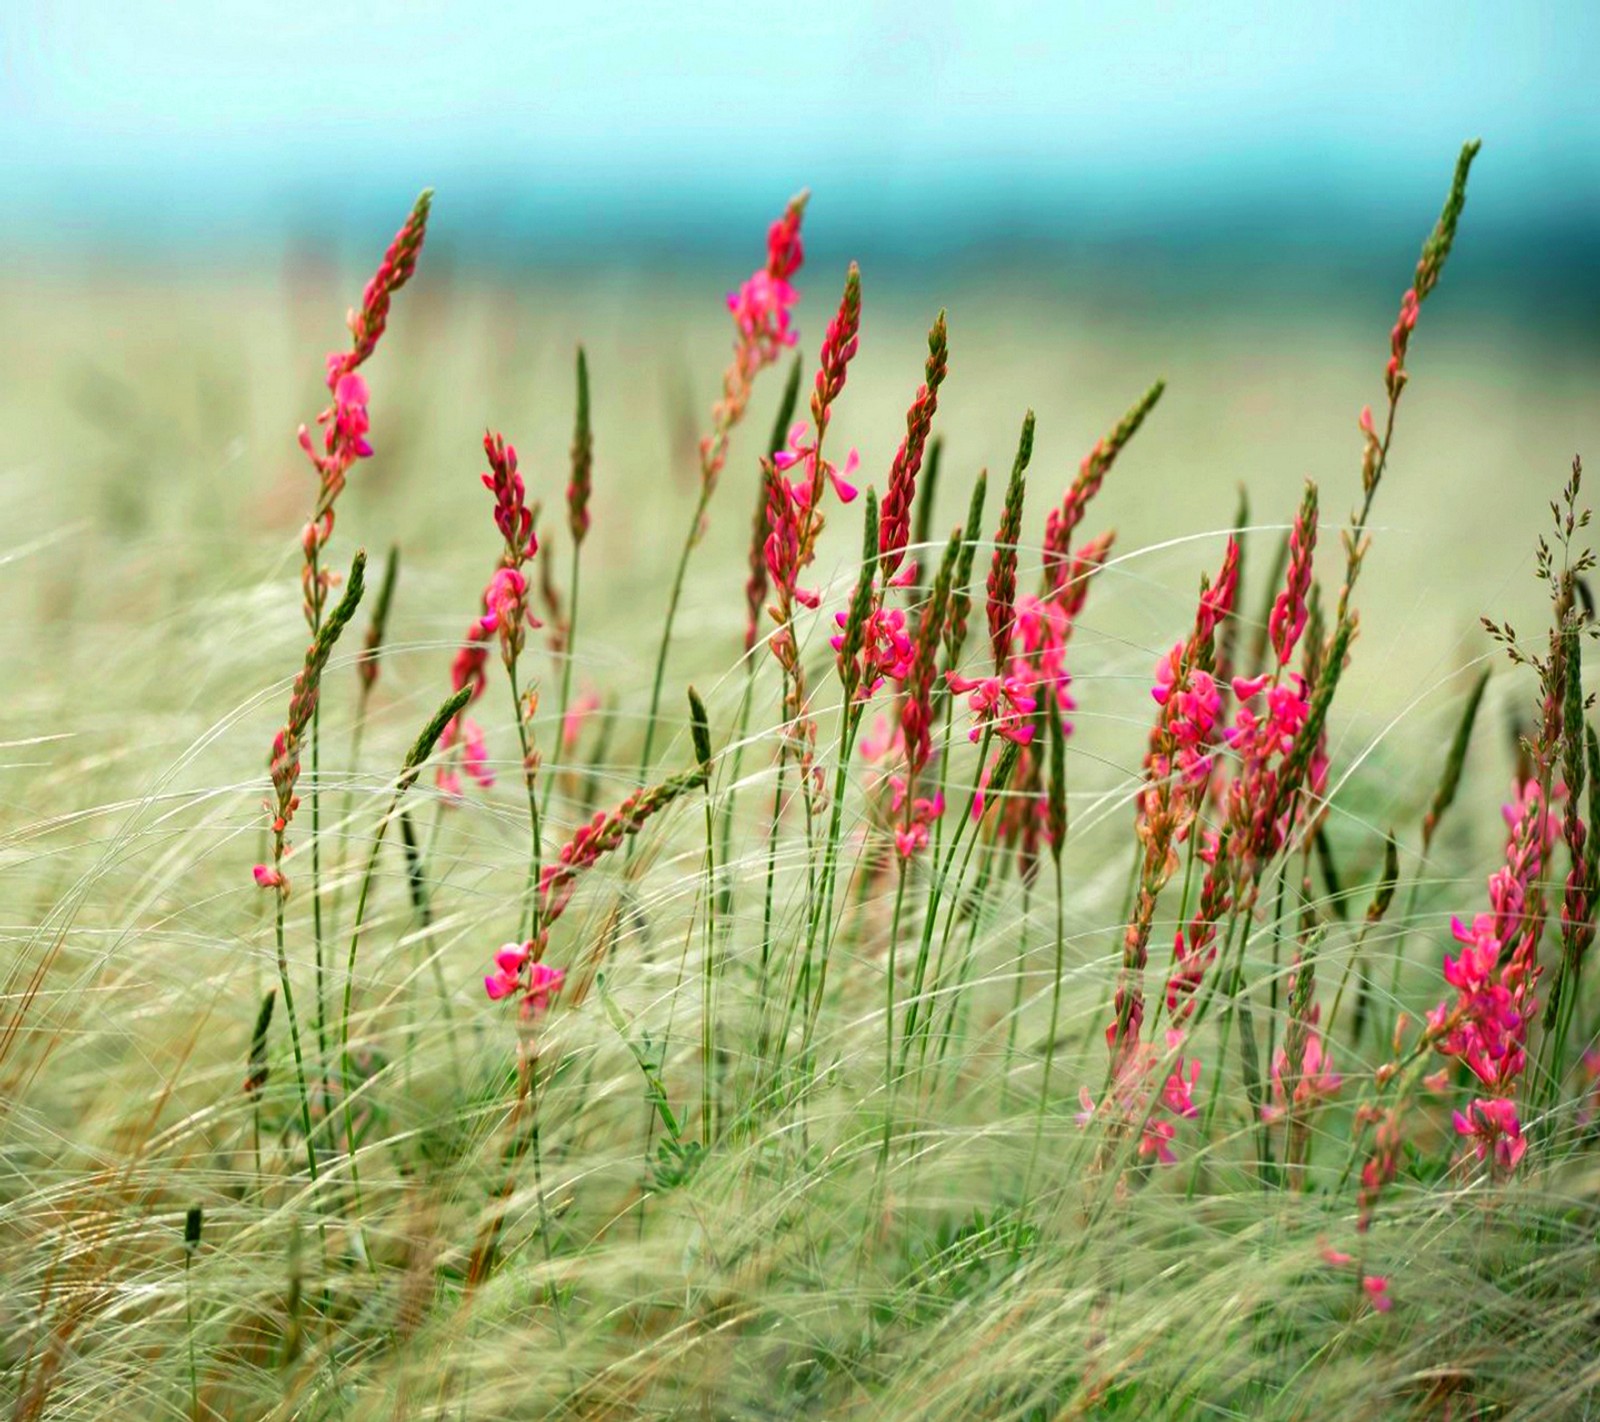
(476, 947)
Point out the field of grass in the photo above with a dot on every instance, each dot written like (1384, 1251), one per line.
(708, 1178)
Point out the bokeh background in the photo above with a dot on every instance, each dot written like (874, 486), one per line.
(1229, 195)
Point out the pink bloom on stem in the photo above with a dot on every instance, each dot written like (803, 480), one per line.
(507, 977)
(912, 834)
(1493, 1127)
(1377, 1291)
(1336, 1257)
(350, 419)
(542, 981)
(1289, 611)
(1129, 1099)
(269, 878)
(886, 651)
(1003, 702)
(1317, 1081)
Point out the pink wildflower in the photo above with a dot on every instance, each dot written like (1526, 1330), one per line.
(1493, 1127)
(1377, 1290)
(1129, 1099)
(761, 311)
(999, 702)
(517, 972)
(911, 835)
(886, 651)
(1316, 1082)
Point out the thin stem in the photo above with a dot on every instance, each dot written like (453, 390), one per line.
(1055, 1022)
(294, 1039)
(666, 633)
(568, 657)
(530, 908)
(708, 984)
(1019, 976)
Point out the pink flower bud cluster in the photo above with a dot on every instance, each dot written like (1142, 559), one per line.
(894, 527)
(793, 505)
(1394, 374)
(761, 311)
(886, 650)
(911, 833)
(1486, 1025)
(1494, 1130)
(1315, 1082)
(604, 833)
(512, 516)
(467, 669)
(345, 423)
(1128, 1101)
(1004, 704)
(518, 971)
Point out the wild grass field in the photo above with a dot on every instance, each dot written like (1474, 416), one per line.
(836, 1057)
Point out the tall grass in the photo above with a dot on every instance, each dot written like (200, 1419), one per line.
(848, 1043)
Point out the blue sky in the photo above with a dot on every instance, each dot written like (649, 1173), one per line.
(174, 121)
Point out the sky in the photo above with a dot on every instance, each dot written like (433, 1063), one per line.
(177, 125)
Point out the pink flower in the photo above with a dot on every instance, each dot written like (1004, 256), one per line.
(912, 834)
(270, 878)
(1317, 1081)
(761, 310)
(350, 420)
(803, 452)
(1492, 1126)
(1288, 617)
(886, 651)
(1377, 1290)
(542, 981)
(1002, 702)
(1130, 1095)
(1336, 1257)
(507, 977)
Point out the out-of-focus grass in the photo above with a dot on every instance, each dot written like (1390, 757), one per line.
(151, 492)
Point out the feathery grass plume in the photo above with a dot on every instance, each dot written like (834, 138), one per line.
(345, 422)
(286, 745)
(755, 588)
(895, 528)
(372, 648)
(1061, 522)
(1002, 584)
(411, 769)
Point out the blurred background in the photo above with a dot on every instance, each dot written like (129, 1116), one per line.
(1229, 195)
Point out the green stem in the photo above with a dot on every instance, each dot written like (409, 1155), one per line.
(530, 910)
(666, 633)
(566, 677)
(1055, 1022)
